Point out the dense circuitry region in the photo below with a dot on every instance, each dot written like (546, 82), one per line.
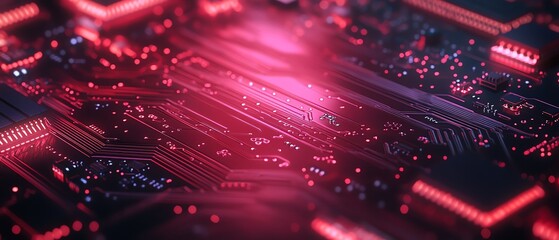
(279, 119)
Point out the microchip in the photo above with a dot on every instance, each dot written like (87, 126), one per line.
(477, 190)
(512, 99)
(489, 17)
(500, 10)
(113, 12)
(494, 81)
(551, 115)
(17, 13)
(20, 119)
(530, 44)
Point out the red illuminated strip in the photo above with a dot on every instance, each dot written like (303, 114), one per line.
(20, 63)
(467, 17)
(214, 8)
(545, 230)
(544, 147)
(87, 34)
(471, 213)
(516, 52)
(23, 134)
(18, 14)
(116, 10)
(509, 62)
(335, 231)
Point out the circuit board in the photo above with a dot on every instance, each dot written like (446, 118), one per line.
(279, 119)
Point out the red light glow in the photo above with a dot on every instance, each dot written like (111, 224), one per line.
(213, 8)
(510, 62)
(23, 134)
(115, 10)
(336, 231)
(473, 214)
(545, 230)
(516, 52)
(18, 14)
(22, 63)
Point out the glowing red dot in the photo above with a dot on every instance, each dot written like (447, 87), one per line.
(177, 209)
(65, 230)
(347, 181)
(310, 183)
(56, 233)
(15, 189)
(16, 229)
(77, 226)
(192, 209)
(404, 209)
(93, 226)
(357, 170)
(168, 23)
(54, 43)
(214, 218)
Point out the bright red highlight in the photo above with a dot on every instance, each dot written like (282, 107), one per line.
(515, 52)
(115, 10)
(23, 134)
(473, 214)
(335, 231)
(19, 14)
(214, 8)
(22, 63)
(510, 62)
(545, 230)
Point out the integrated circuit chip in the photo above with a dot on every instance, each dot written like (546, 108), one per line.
(494, 81)
(20, 120)
(473, 188)
(107, 12)
(17, 14)
(487, 17)
(530, 44)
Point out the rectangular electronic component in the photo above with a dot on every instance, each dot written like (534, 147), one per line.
(18, 14)
(493, 81)
(477, 190)
(113, 12)
(551, 115)
(529, 45)
(20, 120)
(490, 18)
